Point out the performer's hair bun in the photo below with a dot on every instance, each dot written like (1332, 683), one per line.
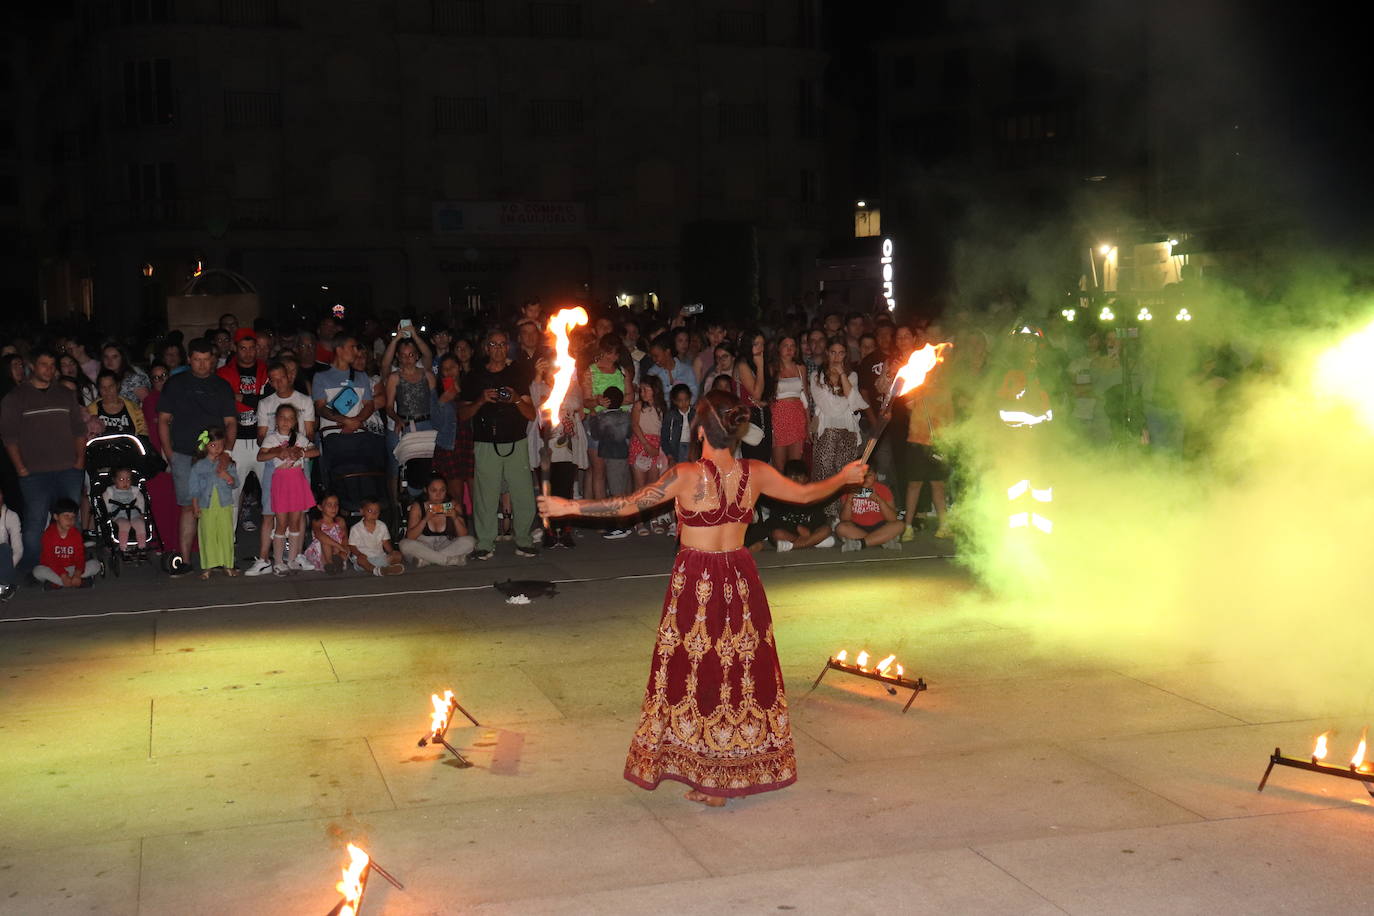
(722, 416)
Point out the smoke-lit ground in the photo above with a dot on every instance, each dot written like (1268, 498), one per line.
(1237, 536)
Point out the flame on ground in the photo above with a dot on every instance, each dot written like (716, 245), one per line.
(438, 719)
(352, 884)
(564, 365)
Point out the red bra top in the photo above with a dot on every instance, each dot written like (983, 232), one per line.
(727, 511)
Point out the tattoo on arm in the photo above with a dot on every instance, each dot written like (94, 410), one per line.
(654, 494)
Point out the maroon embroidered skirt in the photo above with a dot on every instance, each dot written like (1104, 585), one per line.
(715, 714)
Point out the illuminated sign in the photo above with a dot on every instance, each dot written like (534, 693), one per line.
(889, 291)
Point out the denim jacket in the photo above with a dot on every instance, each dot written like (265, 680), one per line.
(445, 417)
(670, 434)
(204, 480)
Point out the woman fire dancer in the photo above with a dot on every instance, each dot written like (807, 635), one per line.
(714, 714)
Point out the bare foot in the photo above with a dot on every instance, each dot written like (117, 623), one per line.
(230, 571)
(710, 801)
(205, 575)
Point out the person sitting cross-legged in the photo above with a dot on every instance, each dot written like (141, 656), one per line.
(868, 518)
(435, 533)
(62, 559)
(790, 526)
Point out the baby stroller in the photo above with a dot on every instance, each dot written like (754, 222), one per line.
(414, 459)
(104, 456)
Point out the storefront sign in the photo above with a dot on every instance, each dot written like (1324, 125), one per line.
(889, 290)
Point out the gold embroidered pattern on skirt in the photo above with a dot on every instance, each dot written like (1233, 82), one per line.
(702, 721)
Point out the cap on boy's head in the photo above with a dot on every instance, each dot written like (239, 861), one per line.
(245, 334)
(796, 468)
(614, 396)
(62, 505)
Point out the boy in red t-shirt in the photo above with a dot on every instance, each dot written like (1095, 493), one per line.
(868, 518)
(62, 559)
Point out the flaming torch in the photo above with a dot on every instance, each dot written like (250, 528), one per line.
(354, 882)
(441, 718)
(908, 378)
(564, 367)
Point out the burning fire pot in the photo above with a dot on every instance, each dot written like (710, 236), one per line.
(441, 718)
(887, 672)
(354, 883)
(1358, 769)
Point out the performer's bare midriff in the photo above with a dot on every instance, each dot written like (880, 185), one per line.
(715, 714)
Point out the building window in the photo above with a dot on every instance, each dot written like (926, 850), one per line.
(555, 117)
(248, 12)
(134, 12)
(740, 27)
(252, 109)
(458, 17)
(460, 116)
(152, 181)
(904, 71)
(743, 119)
(148, 92)
(809, 188)
(808, 121)
(556, 20)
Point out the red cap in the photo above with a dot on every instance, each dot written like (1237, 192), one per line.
(245, 334)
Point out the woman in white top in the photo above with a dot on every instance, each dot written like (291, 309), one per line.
(835, 394)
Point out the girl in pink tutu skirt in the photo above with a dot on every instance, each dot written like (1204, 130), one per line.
(287, 450)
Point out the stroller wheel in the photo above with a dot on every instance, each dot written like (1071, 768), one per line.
(174, 564)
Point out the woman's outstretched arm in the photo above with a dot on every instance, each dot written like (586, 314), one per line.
(667, 487)
(770, 483)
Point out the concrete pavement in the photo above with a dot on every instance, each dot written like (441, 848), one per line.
(211, 747)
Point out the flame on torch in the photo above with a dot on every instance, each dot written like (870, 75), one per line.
(352, 884)
(918, 366)
(842, 655)
(564, 366)
(1319, 752)
(861, 659)
(886, 663)
(438, 720)
(1358, 760)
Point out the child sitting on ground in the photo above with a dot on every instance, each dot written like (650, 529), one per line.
(11, 549)
(370, 543)
(62, 559)
(790, 526)
(868, 517)
(128, 509)
(329, 549)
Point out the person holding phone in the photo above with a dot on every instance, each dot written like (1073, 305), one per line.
(435, 532)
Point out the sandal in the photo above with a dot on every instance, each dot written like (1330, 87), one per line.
(641, 531)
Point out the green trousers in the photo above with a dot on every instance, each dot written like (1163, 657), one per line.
(495, 463)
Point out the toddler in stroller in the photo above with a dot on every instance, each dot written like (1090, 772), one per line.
(119, 467)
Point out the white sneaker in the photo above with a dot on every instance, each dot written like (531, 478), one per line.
(851, 544)
(420, 564)
(260, 567)
(828, 542)
(280, 569)
(299, 562)
(784, 546)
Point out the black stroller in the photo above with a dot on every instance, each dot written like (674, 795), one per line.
(104, 456)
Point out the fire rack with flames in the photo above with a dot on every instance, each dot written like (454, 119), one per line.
(886, 672)
(1358, 769)
(354, 883)
(440, 720)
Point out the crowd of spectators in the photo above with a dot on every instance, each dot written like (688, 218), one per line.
(260, 427)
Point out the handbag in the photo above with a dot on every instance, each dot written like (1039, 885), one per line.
(346, 399)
